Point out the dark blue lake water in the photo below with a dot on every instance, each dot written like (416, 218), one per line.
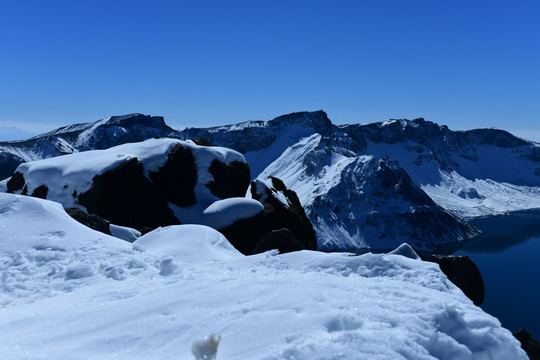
(508, 256)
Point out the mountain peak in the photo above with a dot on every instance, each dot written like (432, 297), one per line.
(134, 119)
(318, 120)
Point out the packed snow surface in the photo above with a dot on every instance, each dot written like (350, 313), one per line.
(69, 292)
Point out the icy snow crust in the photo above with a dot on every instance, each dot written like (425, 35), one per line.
(73, 293)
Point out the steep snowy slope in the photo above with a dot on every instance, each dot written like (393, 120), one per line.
(68, 292)
(102, 134)
(471, 173)
(262, 142)
(358, 201)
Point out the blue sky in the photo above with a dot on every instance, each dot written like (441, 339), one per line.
(465, 64)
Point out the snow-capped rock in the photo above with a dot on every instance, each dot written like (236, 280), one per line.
(280, 209)
(464, 273)
(137, 185)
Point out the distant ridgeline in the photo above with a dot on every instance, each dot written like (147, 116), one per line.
(361, 185)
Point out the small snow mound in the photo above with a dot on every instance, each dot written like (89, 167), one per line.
(124, 233)
(223, 213)
(206, 349)
(191, 243)
(405, 250)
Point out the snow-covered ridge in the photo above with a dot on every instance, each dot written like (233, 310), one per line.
(258, 135)
(102, 134)
(82, 294)
(469, 173)
(446, 164)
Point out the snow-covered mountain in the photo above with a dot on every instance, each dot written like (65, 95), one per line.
(471, 173)
(102, 134)
(362, 185)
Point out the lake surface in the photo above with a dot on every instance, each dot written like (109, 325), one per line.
(508, 256)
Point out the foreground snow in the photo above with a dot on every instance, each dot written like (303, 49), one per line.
(70, 292)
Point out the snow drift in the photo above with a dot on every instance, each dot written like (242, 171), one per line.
(71, 292)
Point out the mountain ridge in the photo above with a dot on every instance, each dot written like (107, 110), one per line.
(331, 165)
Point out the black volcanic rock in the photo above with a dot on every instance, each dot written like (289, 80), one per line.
(462, 271)
(15, 183)
(282, 240)
(91, 220)
(230, 180)
(245, 234)
(176, 179)
(41, 192)
(528, 343)
(124, 196)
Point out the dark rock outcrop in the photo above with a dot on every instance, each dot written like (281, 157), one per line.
(16, 183)
(282, 240)
(91, 220)
(124, 196)
(295, 231)
(176, 179)
(528, 343)
(230, 180)
(41, 192)
(462, 271)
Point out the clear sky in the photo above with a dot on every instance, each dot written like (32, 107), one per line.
(465, 64)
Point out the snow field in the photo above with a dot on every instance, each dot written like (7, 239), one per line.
(71, 292)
